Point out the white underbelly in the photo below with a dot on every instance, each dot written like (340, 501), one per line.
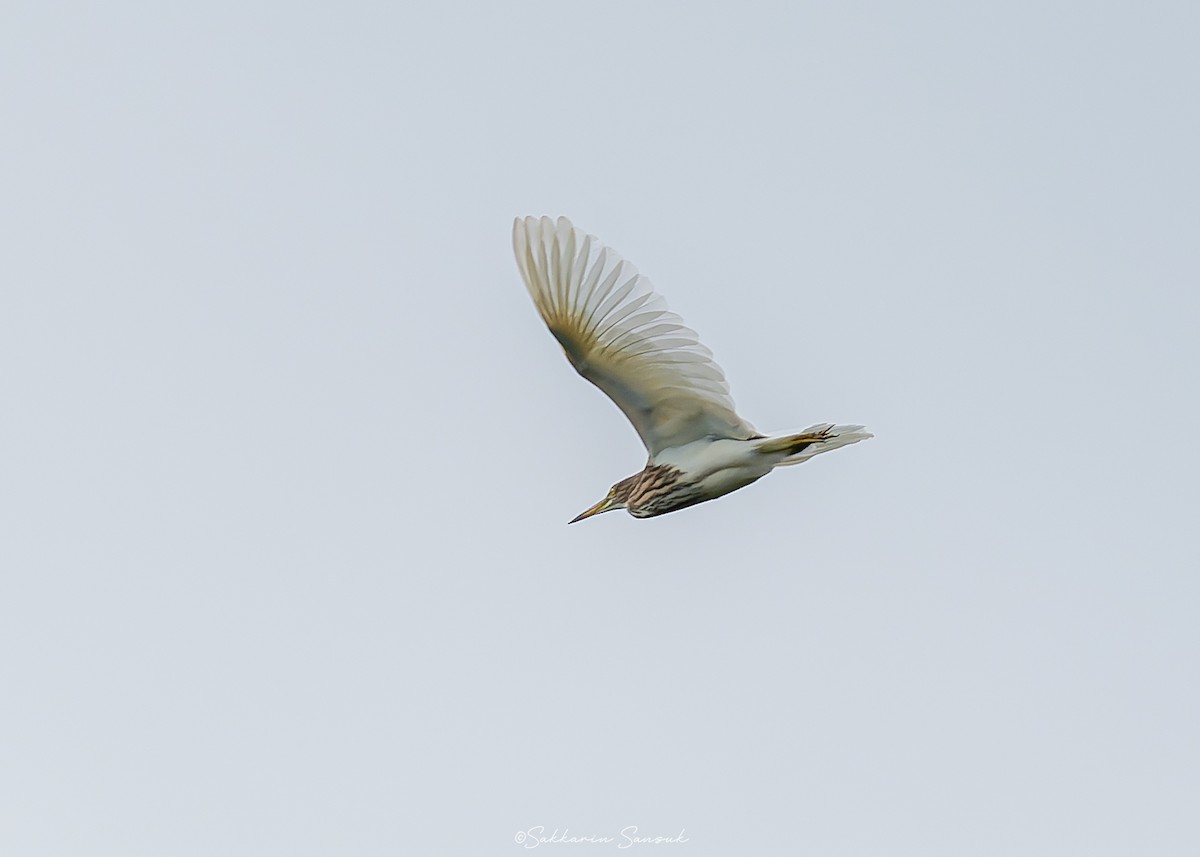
(717, 467)
(730, 479)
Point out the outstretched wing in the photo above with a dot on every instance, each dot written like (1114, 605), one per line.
(618, 333)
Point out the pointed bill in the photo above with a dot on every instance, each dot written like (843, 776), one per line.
(602, 506)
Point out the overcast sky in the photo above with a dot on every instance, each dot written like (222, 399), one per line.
(287, 456)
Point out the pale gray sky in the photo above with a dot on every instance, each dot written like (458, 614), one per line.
(287, 456)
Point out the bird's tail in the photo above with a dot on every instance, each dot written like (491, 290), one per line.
(795, 448)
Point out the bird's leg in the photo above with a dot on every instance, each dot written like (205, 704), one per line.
(792, 444)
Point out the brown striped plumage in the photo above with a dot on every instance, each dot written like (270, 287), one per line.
(656, 490)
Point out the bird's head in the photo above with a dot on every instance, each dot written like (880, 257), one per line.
(617, 498)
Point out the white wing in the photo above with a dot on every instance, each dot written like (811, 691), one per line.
(618, 333)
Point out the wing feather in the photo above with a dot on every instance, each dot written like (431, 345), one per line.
(618, 333)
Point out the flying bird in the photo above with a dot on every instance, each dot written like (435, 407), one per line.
(617, 333)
